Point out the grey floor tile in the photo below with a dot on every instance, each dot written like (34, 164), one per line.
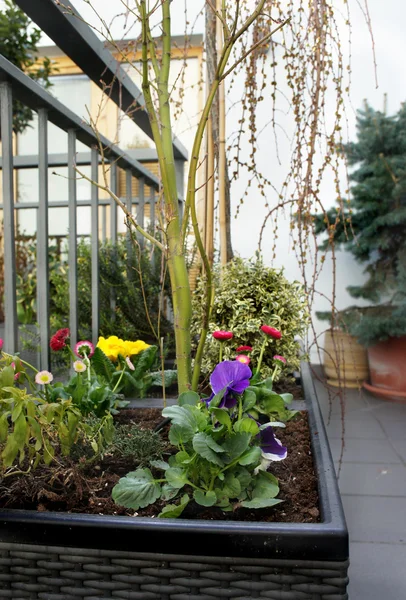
(400, 448)
(377, 572)
(365, 451)
(395, 430)
(373, 480)
(357, 426)
(375, 519)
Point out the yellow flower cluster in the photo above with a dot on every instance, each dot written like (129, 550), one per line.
(113, 346)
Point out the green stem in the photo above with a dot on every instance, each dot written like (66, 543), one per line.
(119, 380)
(239, 408)
(261, 357)
(276, 369)
(221, 352)
(21, 360)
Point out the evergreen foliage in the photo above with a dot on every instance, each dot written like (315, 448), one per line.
(250, 294)
(19, 44)
(373, 225)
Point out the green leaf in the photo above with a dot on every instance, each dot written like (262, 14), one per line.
(260, 503)
(251, 456)
(249, 399)
(179, 435)
(4, 426)
(180, 415)
(168, 492)
(206, 447)
(6, 377)
(236, 444)
(172, 511)
(191, 398)
(159, 464)
(287, 398)
(222, 416)
(248, 425)
(267, 383)
(137, 490)
(265, 485)
(49, 452)
(232, 486)
(215, 401)
(145, 360)
(20, 431)
(205, 499)
(183, 458)
(243, 476)
(10, 451)
(170, 378)
(176, 477)
(102, 365)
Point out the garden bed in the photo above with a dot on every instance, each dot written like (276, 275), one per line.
(60, 555)
(86, 488)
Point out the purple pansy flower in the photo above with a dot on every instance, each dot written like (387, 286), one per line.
(232, 375)
(271, 447)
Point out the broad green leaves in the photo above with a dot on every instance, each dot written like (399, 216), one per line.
(137, 490)
(206, 447)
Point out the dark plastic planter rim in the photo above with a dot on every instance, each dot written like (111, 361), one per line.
(327, 540)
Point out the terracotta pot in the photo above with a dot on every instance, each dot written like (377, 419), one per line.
(387, 367)
(345, 361)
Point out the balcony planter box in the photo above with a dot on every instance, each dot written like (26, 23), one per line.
(64, 556)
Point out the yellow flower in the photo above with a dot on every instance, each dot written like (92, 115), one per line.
(113, 346)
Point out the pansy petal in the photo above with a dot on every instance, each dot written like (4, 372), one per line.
(239, 386)
(228, 372)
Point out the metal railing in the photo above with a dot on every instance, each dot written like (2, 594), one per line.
(16, 85)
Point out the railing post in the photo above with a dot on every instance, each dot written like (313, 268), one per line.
(129, 206)
(95, 246)
(42, 240)
(140, 209)
(113, 205)
(72, 247)
(113, 229)
(10, 299)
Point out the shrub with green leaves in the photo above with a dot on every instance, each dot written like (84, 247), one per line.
(247, 295)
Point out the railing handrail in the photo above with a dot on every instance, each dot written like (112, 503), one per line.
(78, 41)
(36, 97)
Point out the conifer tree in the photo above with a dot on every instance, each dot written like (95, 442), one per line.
(373, 225)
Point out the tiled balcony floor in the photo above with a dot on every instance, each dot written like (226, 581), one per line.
(373, 487)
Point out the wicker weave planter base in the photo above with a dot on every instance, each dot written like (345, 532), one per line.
(61, 556)
(58, 574)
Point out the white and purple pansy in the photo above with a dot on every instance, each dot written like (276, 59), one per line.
(234, 377)
(271, 448)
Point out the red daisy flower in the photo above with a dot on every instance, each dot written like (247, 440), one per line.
(222, 335)
(271, 331)
(244, 349)
(57, 341)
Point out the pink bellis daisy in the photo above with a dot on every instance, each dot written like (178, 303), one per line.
(43, 377)
(79, 366)
(84, 349)
(243, 358)
(279, 359)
